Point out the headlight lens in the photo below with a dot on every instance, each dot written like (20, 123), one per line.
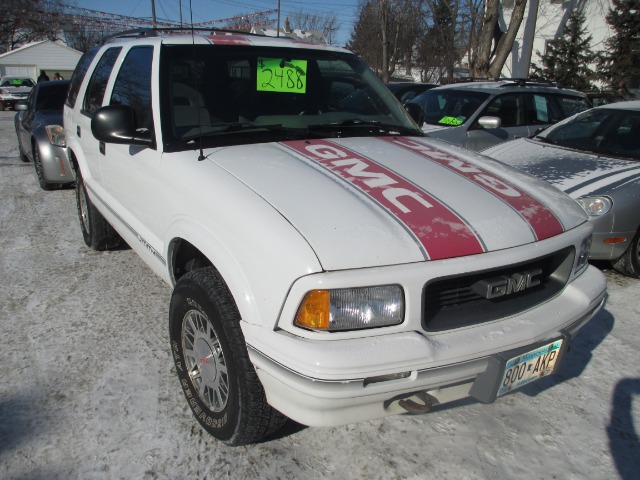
(351, 308)
(583, 256)
(595, 206)
(56, 135)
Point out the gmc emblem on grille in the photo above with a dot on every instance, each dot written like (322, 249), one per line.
(507, 284)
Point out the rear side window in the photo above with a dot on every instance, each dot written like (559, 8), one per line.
(133, 85)
(98, 83)
(78, 75)
(544, 109)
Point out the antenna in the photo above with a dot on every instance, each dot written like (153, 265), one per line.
(201, 157)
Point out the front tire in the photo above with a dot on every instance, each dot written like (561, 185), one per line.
(629, 263)
(212, 362)
(96, 231)
(37, 163)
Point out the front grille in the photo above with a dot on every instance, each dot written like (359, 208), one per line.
(470, 299)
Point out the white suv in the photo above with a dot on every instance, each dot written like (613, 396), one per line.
(329, 263)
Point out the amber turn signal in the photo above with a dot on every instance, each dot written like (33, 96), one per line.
(314, 311)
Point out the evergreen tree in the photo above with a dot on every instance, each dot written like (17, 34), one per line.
(567, 58)
(620, 65)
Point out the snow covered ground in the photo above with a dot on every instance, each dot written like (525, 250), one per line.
(87, 388)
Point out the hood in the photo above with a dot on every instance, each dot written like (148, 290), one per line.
(363, 202)
(15, 90)
(576, 173)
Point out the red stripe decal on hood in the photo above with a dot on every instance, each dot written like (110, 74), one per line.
(542, 220)
(441, 232)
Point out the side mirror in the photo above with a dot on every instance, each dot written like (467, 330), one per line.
(416, 112)
(490, 122)
(118, 124)
(22, 106)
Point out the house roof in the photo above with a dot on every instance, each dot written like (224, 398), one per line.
(296, 34)
(28, 46)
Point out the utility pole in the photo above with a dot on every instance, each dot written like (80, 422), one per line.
(153, 13)
(278, 27)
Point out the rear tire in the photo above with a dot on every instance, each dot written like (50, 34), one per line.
(212, 362)
(629, 263)
(23, 156)
(96, 231)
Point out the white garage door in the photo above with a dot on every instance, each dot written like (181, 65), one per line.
(19, 71)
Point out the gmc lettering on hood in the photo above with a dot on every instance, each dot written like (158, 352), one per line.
(542, 221)
(439, 231)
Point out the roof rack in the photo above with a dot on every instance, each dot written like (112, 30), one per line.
(523, 82)
(472, 79)
(155, 32)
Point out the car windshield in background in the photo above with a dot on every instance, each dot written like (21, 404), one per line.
(604, 131)
(17, 82)
(236, 94)
(449, 107)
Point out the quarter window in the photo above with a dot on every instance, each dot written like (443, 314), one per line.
(98, 83)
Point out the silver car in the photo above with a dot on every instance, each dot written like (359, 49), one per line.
(13, 90)
(41, 135)
(594, 157)
(478, 115)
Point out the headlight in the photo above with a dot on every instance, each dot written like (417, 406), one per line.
(351, 308)
(595, 206)
(583, 256)
(56, 135)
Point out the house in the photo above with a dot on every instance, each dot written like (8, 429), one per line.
(28, 60)
(536, 31)
(286, 31)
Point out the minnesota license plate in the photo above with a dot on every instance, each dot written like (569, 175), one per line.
(529, 367)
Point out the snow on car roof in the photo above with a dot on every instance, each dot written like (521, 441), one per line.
(629, 105)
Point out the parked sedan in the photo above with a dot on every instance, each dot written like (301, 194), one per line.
(13, 90)
(41, 136)
(594, 157)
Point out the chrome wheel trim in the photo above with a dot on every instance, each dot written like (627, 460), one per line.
(205, 360)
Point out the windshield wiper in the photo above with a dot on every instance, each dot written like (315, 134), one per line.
(220, 128)
(372, 126)
(544, 140)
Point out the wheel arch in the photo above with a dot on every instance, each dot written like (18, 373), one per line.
(195, 247)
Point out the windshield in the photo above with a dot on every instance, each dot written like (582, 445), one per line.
(17, 82)
(449, 108)
(52, 96)
(603, 131)
(230, 95)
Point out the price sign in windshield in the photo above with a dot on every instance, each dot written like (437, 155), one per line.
(282, 75)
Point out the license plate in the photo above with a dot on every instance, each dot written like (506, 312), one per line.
(529, 367)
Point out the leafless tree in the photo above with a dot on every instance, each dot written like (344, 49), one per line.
(494, 46)
(23, 21)
(386, 33)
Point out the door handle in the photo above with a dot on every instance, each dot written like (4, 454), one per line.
(101, 147)
(78, 131)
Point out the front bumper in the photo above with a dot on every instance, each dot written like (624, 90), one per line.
(397, 366)
(56, 166)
